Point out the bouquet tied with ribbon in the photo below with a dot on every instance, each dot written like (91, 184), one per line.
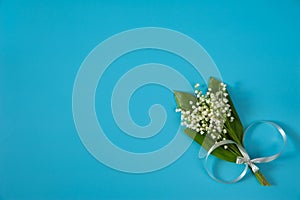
(212, 121)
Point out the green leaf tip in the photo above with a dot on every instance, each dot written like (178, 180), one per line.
(183, 100)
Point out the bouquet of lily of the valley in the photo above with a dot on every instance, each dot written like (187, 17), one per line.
(212, 121)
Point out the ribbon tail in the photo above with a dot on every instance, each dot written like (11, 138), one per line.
(253, 167)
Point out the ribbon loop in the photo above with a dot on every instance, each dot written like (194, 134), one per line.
(249, 163)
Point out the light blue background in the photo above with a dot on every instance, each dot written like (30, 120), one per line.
(255, 45)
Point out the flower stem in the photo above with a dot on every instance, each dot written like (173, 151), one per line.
(261, 179)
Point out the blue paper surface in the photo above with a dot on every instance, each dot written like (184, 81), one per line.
(254, 44)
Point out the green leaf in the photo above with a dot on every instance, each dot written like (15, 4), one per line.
(207, 143)
(214, 84)
(235, 128)
(183, 100)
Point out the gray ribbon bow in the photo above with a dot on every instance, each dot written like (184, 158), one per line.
(249, 163)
